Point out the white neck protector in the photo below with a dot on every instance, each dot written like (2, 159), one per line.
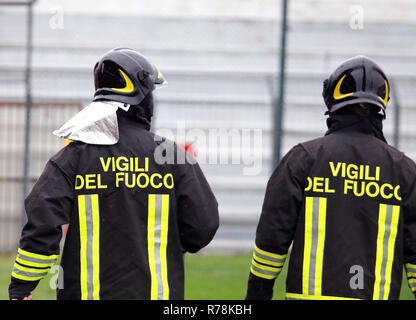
(95, 124)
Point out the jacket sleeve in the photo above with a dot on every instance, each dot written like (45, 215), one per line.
(408, 194)
(197, 207)
(275, 230)
(48, 207)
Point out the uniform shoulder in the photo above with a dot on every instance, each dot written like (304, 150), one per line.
(310, 146)
(399, 155)
(395, 154)
(66, 159)
(160, 139)
(298, 157)
(407, 161)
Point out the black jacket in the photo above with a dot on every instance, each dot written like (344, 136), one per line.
(130, 220)
(347, 201)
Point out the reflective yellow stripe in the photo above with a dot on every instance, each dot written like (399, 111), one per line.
(411, 281)
(163, 245)
(28, 274)
(30, 259)
(83, 246)
(269, 254)
(151, 245)
(261, 275)
(263, 271)
(390, 250)
(96, 246)
(18, 276)
(409, 272)
(276, 264)
(89, 228)
(307, 244)
(36, 255)
(315, 297)
(412, 284)
(34, 264)
(158, 224)
(260, 266)
(379, 254)
(314, 243)
(26, 269)
(320, 246)
(386, 239)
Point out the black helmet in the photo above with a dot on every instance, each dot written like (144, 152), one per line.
(126, 76)
(358, 80)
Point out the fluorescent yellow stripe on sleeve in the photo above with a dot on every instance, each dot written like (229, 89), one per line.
(269, 254)
(260, 266)
(32, 270)
(410, 270)
(83, 247)
(307, 244)
(272, 263)
(320, 246)
(258, 274)
(96, 246)
(34, 264)
(151, 245)
(36, 255)
(18, 276)
(412, 285)
(163, 245)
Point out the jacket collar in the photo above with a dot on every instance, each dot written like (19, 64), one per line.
(357, 123)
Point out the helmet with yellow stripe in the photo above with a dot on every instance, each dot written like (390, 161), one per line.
(357, 81)
(126, 76)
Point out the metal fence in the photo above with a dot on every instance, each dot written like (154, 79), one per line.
(45, 117)
(12, 136)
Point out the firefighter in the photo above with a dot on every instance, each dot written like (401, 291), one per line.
(346, 202)
(132, 213)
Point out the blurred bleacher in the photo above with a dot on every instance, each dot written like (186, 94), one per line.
(221, 66)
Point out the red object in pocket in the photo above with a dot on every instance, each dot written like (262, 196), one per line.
(189, 147)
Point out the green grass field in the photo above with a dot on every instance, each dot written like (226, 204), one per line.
(211, 277)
